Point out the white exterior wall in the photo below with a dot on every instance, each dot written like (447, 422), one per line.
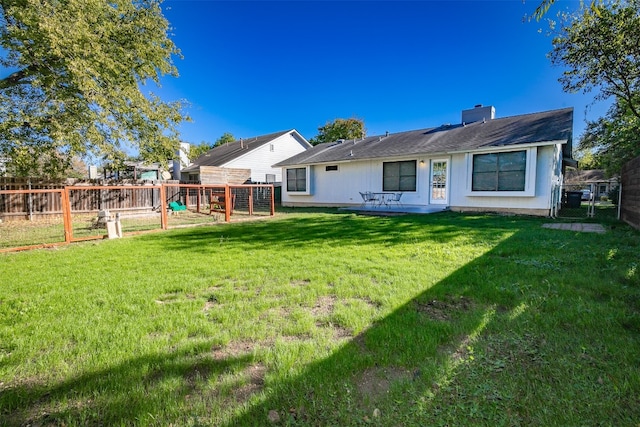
(539, 185)
(342, 187)
(261, 159)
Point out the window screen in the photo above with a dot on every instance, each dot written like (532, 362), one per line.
(399, 176)
(297, 179)
(499, 171)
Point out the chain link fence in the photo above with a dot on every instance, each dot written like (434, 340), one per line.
(588, 201)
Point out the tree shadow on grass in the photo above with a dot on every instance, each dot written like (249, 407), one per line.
(390, 352)
(397, 361)
(344, 229)
(133, 392)
(403, 369)
(390, 374)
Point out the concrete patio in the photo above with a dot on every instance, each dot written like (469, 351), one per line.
(396, 209)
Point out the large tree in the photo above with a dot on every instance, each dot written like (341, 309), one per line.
(197, 150)
(339, 129)
(599, 49)
(224, 139)
(612, 140)
(74, 73)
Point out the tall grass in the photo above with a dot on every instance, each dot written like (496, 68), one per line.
(326, 319)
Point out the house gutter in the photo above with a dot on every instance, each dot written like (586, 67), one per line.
(494, 148)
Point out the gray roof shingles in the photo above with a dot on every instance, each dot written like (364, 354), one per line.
(222, 154)
(555, 125)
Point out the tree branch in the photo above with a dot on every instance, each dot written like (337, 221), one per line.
(18, 77)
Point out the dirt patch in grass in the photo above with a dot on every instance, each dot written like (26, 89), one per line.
(197, 373)
(376, 382)
(359, 342)
(321, 312)
(444, 309)
(255, 375)
(341, 333)
(303, 282)
(324, 306)
(462, 351)
(234, 349)
(372, 303)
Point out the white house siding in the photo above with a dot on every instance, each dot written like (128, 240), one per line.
(537, 203)
(260, 159)
(343, 187)
(336, 188)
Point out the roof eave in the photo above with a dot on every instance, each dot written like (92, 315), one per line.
(509, 147)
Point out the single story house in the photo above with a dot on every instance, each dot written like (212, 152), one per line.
(512, 164)
(138, 170)
(247, 160)
(594, 180)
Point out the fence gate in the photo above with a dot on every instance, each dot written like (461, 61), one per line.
(587, 201)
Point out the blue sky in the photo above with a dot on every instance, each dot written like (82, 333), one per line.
(257, 67)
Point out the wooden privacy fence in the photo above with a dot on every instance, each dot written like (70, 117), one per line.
(33, 203)
(78, 209)
(630, 196)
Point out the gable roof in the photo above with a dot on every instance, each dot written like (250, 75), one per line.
(544, 127)
(223, 154)
(574, 176)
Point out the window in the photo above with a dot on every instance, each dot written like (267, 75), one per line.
(271, 148)
(399, 176)
(499, 171)
(297, 179)
(331, 168)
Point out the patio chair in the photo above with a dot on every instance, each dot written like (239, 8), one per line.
(395, 198)
(367, 197)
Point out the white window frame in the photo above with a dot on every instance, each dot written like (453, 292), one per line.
(307, 191)
(415, 188)
(529, 180)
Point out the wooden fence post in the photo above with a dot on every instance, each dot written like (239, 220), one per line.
(66, 215)
(273, 201)
(227, 203)
(163, 207)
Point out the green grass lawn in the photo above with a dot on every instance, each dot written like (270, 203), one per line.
(325, 318)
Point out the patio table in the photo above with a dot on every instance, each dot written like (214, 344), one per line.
(387, 198)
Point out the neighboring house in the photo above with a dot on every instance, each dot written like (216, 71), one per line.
(513, 164)
(181, 160)
(138, 171)
(246, 160)
(594, 180)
